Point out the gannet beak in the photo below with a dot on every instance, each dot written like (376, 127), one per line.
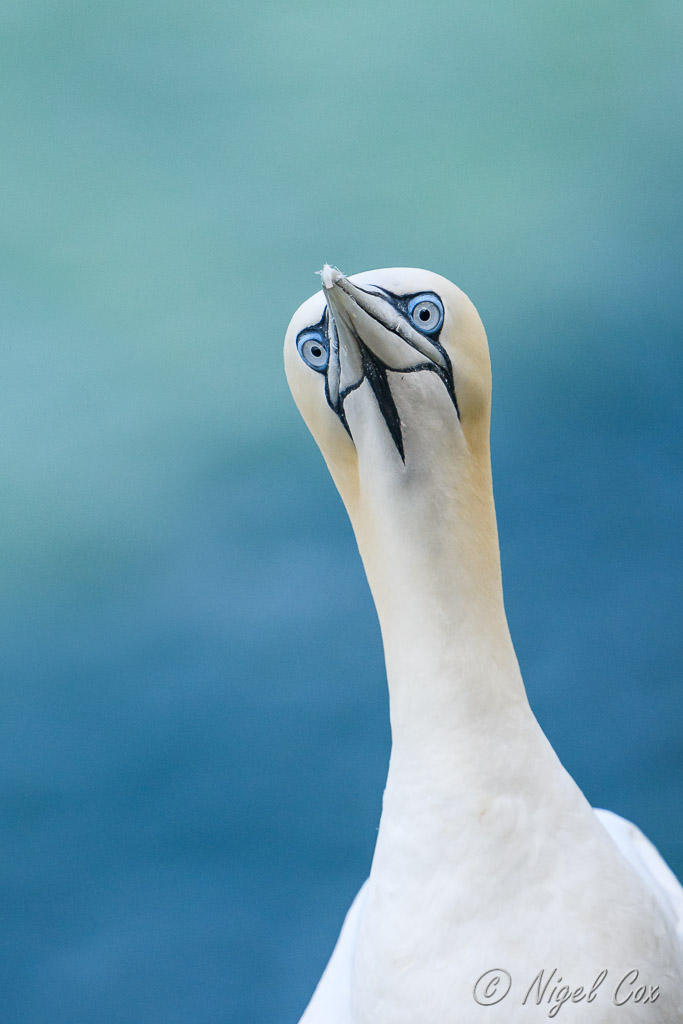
(371, 319)
(345, 369)
(368, 336)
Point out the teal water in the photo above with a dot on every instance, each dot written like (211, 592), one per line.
(191, 768)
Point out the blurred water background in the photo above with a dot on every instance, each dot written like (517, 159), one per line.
(191, 760)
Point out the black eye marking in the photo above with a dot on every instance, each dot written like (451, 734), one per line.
(313, 345)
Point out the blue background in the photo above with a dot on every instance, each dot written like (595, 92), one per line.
(191, 762)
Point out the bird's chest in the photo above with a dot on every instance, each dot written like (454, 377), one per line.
(465, 945)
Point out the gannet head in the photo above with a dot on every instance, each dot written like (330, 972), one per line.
(390, 371)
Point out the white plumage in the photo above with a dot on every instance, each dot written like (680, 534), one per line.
(491, 871)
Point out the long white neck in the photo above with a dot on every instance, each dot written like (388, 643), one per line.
(463, 734)
(431, 555)
(462, 730)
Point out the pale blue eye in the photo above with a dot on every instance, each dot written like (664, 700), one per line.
(313, 350)
(426, 312)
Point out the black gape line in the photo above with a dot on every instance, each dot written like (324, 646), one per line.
(376, 372)
(376, 375)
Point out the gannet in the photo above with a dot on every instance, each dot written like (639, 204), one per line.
(496, 892)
